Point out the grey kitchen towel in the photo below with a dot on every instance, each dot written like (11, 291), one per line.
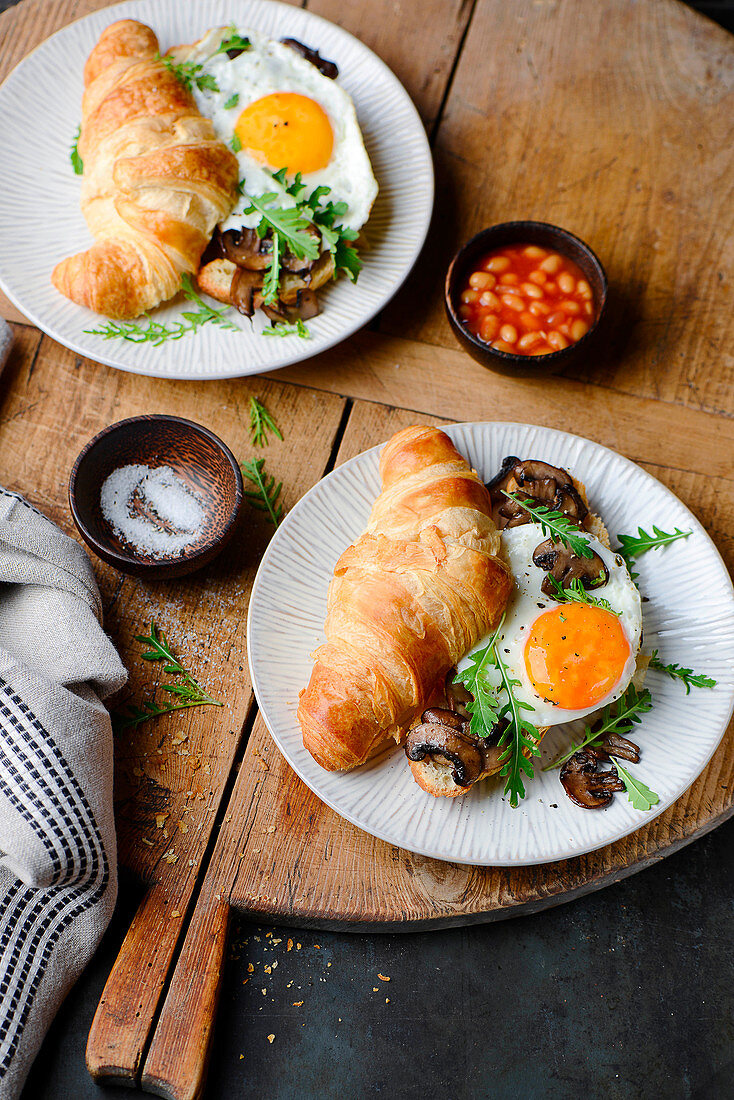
(58, 879)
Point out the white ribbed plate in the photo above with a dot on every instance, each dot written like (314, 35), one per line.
(40, 219)
(689, 618)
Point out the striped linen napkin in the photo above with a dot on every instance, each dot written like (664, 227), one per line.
(58, 877)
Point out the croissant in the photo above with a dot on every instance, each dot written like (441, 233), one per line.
(413, 594)
(156, 178)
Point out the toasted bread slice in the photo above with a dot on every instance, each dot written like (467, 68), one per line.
(215, 279)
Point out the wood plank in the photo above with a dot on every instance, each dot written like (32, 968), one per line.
(10, 312)
(409, 374)
(393, 27)
(51, 403)
(586, 121)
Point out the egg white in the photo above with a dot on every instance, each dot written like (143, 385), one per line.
(265, 68)
(528, 602)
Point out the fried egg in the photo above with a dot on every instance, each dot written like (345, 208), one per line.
(275, 110)
(570, 659)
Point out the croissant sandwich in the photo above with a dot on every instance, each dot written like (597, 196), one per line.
(156, 179)
(413, 594)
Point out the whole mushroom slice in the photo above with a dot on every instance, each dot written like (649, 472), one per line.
(564, 566)
(246, 249)
(441, 733)
(304, 306)
(586, 784)
(327, 68)
(538, 481)
(245, 290)
(615, 745)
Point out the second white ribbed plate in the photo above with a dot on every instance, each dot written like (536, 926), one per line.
(689, 617)
(40, 219)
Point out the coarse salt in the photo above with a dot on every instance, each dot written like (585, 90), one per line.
(153, 510)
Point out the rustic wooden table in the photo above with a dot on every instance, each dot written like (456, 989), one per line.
(610, 119)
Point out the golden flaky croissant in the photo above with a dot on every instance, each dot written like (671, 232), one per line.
(156, 179)
(417, 590)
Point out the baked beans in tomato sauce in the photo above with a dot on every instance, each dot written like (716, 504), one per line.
(527, 300)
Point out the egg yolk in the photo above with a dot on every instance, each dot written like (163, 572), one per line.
(286, 130)
(576, 654)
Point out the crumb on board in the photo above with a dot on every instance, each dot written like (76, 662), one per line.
(270, 1038)
(175, 913)
(297, 1004)
(383, 977)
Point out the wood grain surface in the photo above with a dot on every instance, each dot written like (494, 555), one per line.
(613, 120)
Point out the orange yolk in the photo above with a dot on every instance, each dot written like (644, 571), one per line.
(286, 130)
(575, 655)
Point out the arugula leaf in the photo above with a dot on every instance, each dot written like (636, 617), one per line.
(234, 45)
(289, 222)
(266, 496)
(347, 259)
(576, 593)
(206, 83)
(155, 332)
(518, 735)
(261, 422)
(641, 797)
(618, 717)
(272, 273)
(232, 101)
(76, 161)
(205, 313)
(283, 328)
(484, 707)
(687, 675)
(634, 546)
(235, 143)
(556, 524)
(190, 72)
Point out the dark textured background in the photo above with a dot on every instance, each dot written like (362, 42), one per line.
(624, 994)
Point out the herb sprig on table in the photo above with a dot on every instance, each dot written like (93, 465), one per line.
(186, 690)
(156, 332)
(261, 422)
(266, 492)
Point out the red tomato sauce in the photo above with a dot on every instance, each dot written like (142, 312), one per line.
(527, 300)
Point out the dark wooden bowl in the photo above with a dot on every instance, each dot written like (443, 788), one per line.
(195, 454)
(547, 236)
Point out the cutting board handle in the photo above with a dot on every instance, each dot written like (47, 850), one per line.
(177, 1059)
(123, 1022)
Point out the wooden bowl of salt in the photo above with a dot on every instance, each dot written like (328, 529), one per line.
(156, 496)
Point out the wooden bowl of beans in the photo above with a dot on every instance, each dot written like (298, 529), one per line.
(525, 297)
